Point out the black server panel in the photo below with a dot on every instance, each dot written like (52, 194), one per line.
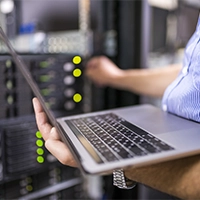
(58, 76)
(22, 148)
(47, 184)
(27, 169)
(60, 80)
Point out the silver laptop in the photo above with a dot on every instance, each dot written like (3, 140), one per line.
(119, 138)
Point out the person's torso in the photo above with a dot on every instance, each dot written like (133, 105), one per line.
(182, 97)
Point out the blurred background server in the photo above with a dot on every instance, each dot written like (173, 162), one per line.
(55, 38)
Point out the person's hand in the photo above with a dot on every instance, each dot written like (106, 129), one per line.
(52, 139)
(102, 71)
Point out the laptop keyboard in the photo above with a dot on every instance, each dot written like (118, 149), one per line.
(114, 138)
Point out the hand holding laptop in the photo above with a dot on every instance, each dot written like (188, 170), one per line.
(156, 176)
(52, 139)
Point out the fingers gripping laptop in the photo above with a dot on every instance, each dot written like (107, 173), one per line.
(122, 137)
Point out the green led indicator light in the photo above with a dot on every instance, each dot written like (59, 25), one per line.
(10, 99)
(45, 78)
(77, 97)
(29, 180)
(40, 151)
(38, 134)
(76, 60)
(77, 72)
(40, 159)
(44, 64)
(39, 143)
(29, 188)
(48, 104)
(8, 63)
(45, 92)
(9, 84)
(58, 171)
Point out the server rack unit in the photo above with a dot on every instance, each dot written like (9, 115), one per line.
(27, 169)
(49, 184)
(58, 76)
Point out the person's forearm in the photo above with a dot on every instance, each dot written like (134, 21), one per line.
(180, 178)
(150, 82)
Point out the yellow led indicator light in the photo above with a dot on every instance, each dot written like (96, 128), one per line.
(77, 97)
(39, 143)
(38, 134)
(76, 60)
(40, 159)
(77, 72)
(29, 188)
(40, 151)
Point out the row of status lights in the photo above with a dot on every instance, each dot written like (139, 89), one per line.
(77, 73)
(40, 150)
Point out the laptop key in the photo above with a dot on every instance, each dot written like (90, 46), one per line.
(137, 151)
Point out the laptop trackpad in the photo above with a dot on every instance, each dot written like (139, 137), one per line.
(182, 139)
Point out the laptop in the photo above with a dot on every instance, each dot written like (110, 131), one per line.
(133, 136)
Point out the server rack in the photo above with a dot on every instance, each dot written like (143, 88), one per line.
(27, 169)
(118, 37)
(111, 28)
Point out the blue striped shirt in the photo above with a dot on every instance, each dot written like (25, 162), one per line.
(182, 97)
